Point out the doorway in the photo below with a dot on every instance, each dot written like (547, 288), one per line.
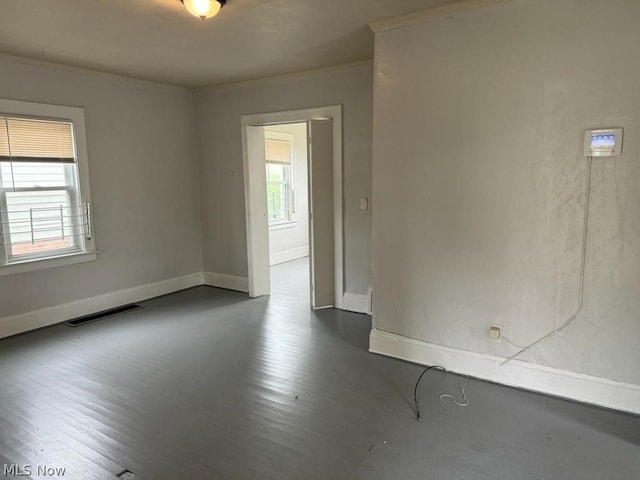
(324, 183)
(288, 209)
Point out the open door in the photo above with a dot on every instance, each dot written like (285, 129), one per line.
(257, 215)
(321, 215)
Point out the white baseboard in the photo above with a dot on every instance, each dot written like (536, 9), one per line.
(230, 282)
(51, 315)
(354, 302)
(583, 388)
(287, 255)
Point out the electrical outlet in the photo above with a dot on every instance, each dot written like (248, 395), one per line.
(495, 333)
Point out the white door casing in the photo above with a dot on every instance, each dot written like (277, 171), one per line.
(255, 194)
(256, 211)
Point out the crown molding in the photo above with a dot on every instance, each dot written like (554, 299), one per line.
(286, 76)
(458, 7)
(90, 72)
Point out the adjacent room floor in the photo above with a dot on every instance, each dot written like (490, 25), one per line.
(290, 281)
(207, 384)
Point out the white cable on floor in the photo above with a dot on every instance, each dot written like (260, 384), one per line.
(465, 402)
(582, 268)
(443, 397)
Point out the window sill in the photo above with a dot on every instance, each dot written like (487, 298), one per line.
(45, 263)
(283, 225)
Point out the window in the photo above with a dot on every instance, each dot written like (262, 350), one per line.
(280, 191)
(44, 208)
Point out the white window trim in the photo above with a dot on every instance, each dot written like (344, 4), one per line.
(76, 116)
(33, 265)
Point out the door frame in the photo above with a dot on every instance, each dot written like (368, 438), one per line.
(257, 237)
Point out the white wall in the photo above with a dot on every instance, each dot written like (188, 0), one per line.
(144, 184)
(479, 182)
(292, 241)
(218, 112)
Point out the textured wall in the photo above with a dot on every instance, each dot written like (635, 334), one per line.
(218, 112)
(144, 184)
(479, 181)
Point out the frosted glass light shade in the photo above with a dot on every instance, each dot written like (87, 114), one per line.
(202, 8)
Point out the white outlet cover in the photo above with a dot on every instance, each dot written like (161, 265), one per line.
(495, 333)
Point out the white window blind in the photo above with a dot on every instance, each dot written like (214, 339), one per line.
(278, 151)
(34, 140)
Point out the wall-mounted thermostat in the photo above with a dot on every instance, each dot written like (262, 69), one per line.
(603, 142)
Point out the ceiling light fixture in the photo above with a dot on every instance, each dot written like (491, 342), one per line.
(203, 8)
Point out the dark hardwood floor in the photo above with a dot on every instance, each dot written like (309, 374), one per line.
(207, 384)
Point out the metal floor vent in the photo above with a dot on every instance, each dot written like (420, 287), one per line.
(126, 475)
(76, 322)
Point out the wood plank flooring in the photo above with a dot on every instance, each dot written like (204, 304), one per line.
(207, 384)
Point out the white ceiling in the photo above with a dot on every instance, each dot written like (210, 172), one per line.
(158, 40)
